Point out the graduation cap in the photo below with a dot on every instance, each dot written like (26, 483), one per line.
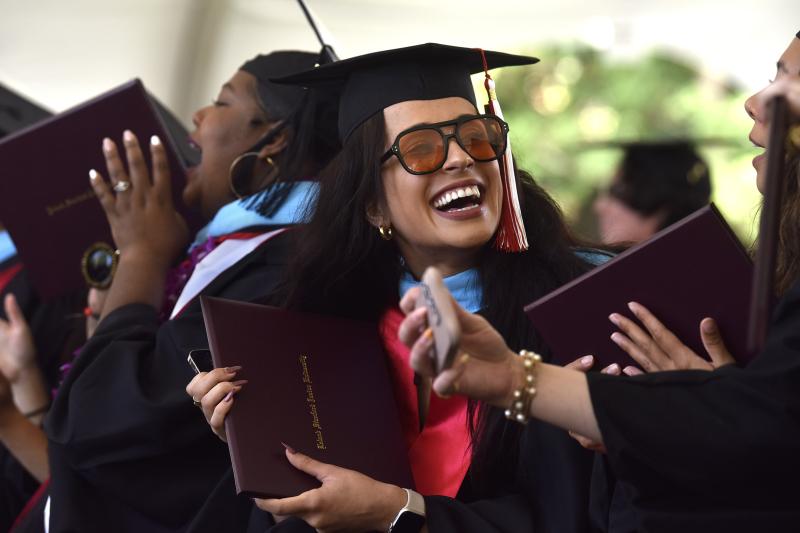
(280, 99)
(327, 54)
(373, 82)
(663, 170)
(17, 112)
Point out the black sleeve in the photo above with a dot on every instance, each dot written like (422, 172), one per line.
(549, 491)
(508, 513)
(719, 437)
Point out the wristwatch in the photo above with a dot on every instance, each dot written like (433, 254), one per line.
(411, 517)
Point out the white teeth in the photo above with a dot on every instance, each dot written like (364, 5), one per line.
(463, 192)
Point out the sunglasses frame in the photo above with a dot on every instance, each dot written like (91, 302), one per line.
(394, 150)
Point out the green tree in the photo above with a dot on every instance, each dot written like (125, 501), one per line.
(567, 112)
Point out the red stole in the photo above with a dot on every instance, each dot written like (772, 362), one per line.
(8, 274)
(440, 455)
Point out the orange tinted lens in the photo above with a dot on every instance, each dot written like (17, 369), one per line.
(482, 138)
(422, 150)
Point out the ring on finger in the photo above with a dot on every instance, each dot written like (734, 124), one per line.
(196, 403)
(122, 186)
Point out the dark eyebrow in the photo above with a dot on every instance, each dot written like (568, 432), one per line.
(459, 117)
(229, 87)
(781, 66)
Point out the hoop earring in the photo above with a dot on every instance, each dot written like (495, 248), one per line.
(386, 232)
(232, 172)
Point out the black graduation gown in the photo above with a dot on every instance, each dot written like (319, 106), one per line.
(711, 451)
(58, 327)
(548, 492)
(540, 485)
(128, 450)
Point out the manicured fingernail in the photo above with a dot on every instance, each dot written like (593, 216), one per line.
(93, 174)
(616, 337)
(428, 336)
(232, 369)
(614, 318)
(613, 369)
(108, 144)
(709, 326)
(587, 360)
(288, 448)
(127, 135)
(239, 383)
(631, 371)
(228, 397)
(634, 307)
(155, 141)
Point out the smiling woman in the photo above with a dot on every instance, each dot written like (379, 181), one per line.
(416, 184)
(120, 428)
(706, 446)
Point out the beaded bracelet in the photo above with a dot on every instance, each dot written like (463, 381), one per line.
(521, 406)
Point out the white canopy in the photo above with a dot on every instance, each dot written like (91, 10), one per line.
(62, 52)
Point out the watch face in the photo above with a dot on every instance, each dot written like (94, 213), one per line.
(408, 522)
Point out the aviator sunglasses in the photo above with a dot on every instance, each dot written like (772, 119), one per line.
(423, 149)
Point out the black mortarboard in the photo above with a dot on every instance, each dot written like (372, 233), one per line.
(280, 100)
(372, 82)
(663, 175)
(17, 112)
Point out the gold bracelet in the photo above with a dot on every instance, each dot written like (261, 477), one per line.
(521, 406)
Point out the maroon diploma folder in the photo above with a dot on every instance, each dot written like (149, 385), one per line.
(46, 202)
(317, 383)
(17, 112)
(694, 269)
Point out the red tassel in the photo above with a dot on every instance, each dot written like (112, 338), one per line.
(511, 236)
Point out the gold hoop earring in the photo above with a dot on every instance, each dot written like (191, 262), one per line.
(234, 171)
(386, 232)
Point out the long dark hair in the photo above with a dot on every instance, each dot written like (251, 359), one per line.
(311, 142)
(341, 266)
(788, 261)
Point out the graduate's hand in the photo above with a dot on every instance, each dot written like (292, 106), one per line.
(346, 501)
(17, 351)
(659, 349)
(215, 391)
(143, 220)
(485, 367)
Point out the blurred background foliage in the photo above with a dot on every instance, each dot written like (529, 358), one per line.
(567, 112)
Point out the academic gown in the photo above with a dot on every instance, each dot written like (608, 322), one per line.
(549, 491)
(58, 327)
(546, 490)
(710, 451)
(128, 450)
